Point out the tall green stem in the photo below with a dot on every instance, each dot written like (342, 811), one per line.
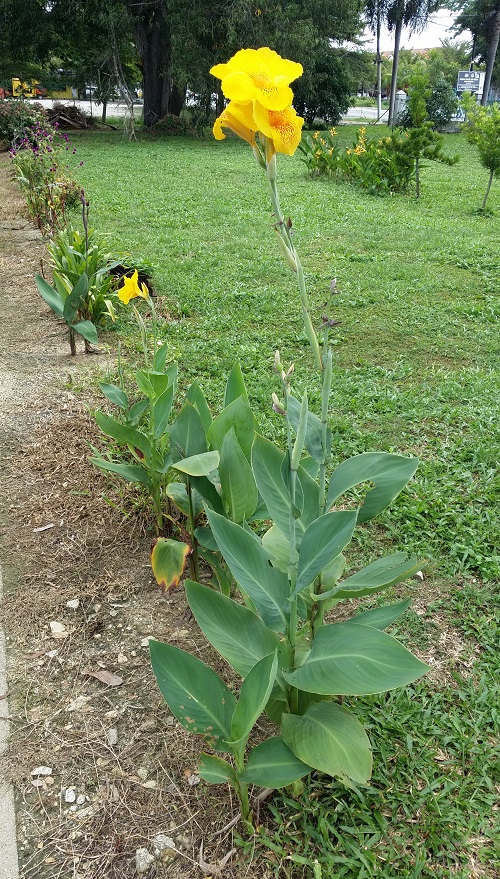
(194, 543)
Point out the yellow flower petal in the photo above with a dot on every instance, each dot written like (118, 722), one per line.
(239, 119)
(283, 127)
(258, 74)
(131, 289)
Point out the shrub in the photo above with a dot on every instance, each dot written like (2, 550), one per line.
(43, 176)
(19, 120)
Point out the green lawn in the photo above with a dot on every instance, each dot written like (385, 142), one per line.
(416, 371)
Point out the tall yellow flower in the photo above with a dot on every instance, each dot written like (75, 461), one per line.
(131, 289)
(258, 75)
(283, 127)
(239, 119)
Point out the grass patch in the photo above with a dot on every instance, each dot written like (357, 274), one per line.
(416, 366)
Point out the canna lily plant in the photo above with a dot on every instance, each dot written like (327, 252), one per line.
(297, 665)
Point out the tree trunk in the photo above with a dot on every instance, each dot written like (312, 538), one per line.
(486, 194)
(177, 99)
(493, 40)
(104, 109)
(378, 61)
(395, 62)
(152, 38)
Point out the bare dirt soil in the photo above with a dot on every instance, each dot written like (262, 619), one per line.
(99, 766)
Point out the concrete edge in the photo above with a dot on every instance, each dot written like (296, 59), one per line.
(9, 868)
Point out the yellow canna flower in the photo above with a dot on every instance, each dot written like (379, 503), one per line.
(239, 119)
(258, 75)
(283, 127)
(131, 289)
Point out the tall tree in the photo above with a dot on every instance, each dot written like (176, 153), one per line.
(482, 18)
(413, 14)
(376, 14)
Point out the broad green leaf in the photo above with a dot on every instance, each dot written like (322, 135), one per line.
(162, 409)
(267, 460)
(118, 431)
(137, 410)
(177, 492)
(314, 432)
(168, 560)
(278, 547)
(205, 538)
(215, 770)
(310, 466)
(144, 383)
(381, 617)
(323, 541)
(272, 764)
(379, 575)
(348, 659)
(87, 330)
(187, 435)
(114, 394)
(196, 396)
(238, 415)
(198, 465)
(130, 472)
(197, 697)
(387, 471)
(249, 564)
(235, 386)
(209, 493)
(310, 499)
(254, 694)
(159, 357)
(75, 300)
(160, 381)
(237, 480)
(237, 633)
(329, 738)
(332, 572)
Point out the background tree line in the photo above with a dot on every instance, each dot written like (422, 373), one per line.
(170, 45)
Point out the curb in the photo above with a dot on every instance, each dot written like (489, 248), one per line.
(8, 843)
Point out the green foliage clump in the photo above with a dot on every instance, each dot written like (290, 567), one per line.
(44, 176)
(73, 253)
(482, 128)
(381, 165)
(19, 120)
(323, 90)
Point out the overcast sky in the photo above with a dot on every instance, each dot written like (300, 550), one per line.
(436, 31)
